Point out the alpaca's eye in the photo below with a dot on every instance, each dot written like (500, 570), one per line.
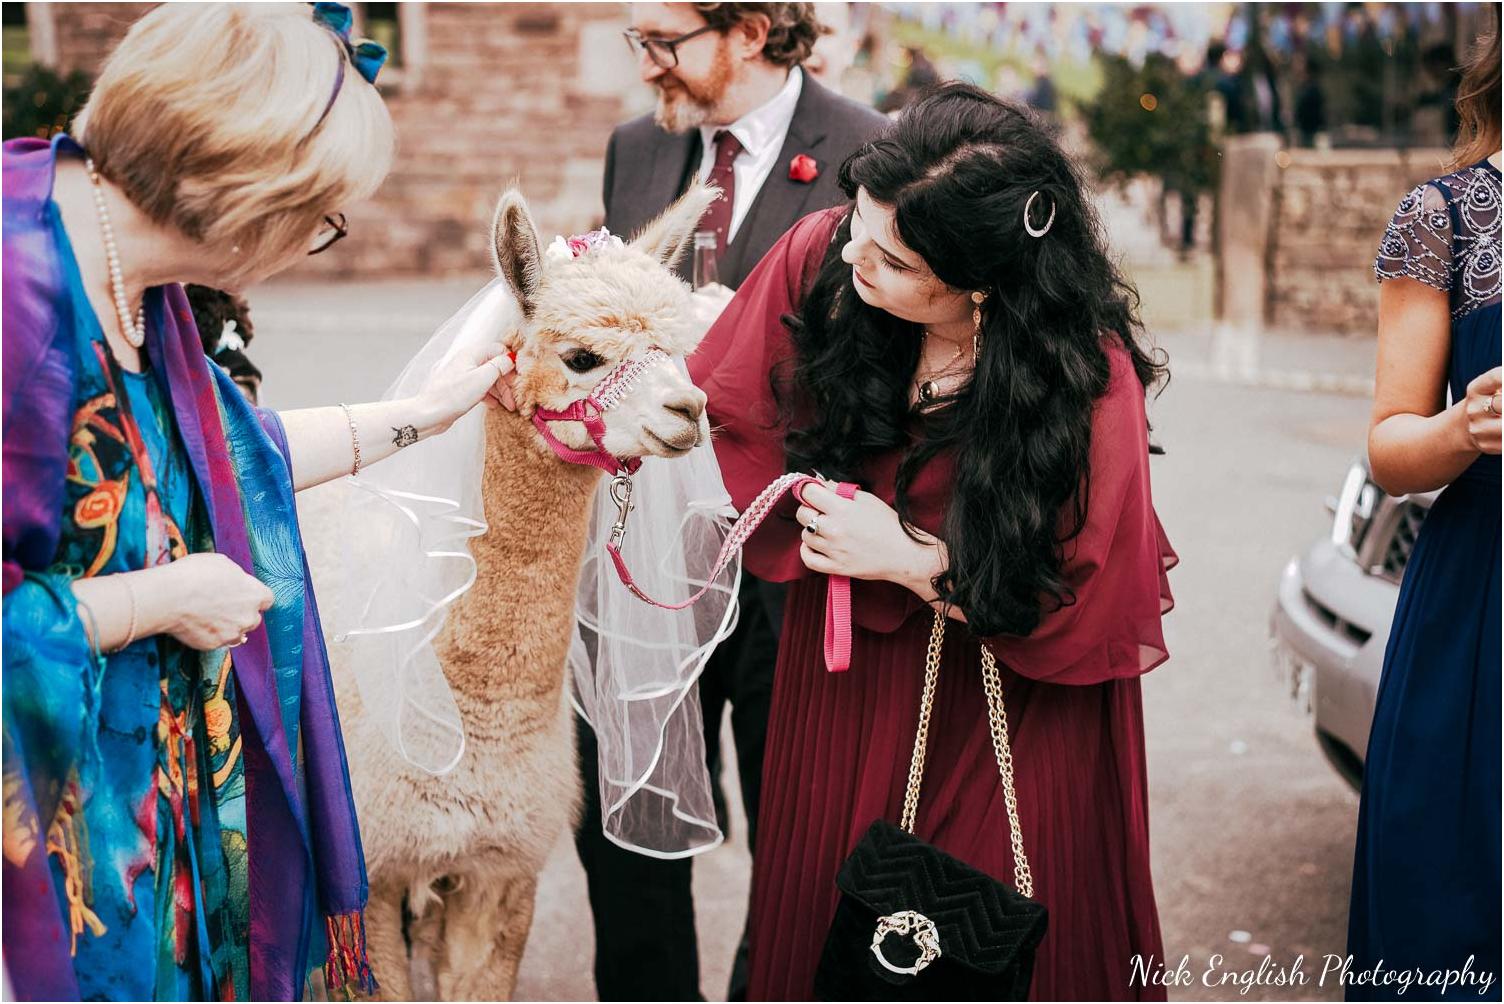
(583, 360)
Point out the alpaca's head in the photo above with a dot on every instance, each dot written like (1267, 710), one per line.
(582, 316)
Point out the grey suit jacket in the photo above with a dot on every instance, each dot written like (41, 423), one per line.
(648, 168)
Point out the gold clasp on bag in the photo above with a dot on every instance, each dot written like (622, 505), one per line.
(908, 923)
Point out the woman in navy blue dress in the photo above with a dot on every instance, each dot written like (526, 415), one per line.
(1426, 878)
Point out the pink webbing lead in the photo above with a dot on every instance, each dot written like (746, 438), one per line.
(838, 599)
(838, 609)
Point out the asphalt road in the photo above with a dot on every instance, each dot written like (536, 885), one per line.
(1251, 830)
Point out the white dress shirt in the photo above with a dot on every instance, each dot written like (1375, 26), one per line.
(761, 133)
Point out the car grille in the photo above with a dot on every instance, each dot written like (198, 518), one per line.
(1352, 632)
(1406, 528)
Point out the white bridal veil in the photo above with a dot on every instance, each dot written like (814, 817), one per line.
(633, 666)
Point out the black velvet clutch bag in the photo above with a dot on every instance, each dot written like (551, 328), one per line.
(914, 923)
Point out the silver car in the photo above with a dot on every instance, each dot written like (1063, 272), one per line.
(1330, 623)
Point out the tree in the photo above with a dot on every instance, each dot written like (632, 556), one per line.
(43, 102)
(1152, 120)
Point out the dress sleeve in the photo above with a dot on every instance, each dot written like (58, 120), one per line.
(733, 364)
(1417, 244)
(1116, 567)
(51, 699)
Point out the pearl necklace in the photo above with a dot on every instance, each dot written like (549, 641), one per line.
(134, 332)
(930, 389)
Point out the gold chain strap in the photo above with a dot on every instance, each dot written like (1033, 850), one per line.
(922, 734)
(997, 720)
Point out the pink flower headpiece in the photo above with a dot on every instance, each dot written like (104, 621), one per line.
(566, 248)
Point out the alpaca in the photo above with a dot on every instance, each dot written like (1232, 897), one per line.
(453, 860)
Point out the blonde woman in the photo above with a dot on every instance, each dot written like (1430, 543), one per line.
(178, 820)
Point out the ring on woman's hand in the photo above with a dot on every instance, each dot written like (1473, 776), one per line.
(1490, 407)
(813, 527)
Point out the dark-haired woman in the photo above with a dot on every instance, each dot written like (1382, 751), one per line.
(957, 343)
(1426, 877)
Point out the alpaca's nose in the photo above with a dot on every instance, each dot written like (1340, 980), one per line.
(690, 405)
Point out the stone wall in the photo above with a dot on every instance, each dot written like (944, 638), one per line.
(1330, 210)
(482, 95)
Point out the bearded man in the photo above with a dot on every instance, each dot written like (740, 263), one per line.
(735, 110)
(733, 106)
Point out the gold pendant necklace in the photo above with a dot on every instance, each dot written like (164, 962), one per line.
(929, 389)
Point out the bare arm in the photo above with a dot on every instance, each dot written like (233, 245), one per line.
(1415, 442)
(323, 444)
(204, 600)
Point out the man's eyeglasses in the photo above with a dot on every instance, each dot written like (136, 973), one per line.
(335, 229)
(664, 52)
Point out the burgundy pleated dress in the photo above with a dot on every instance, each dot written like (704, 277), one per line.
(839, 743)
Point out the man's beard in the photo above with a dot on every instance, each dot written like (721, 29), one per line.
(686, 106)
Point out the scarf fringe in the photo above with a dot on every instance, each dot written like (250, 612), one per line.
(68, 841)
(347, 970)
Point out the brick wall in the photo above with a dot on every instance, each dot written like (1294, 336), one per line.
(87, 31)
(491, 93)
(1329, 211)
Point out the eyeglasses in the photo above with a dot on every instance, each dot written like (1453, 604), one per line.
(335, 229)
(664, 52)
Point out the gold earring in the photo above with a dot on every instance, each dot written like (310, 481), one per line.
(976, 322)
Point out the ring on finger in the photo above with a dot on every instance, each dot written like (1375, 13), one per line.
(1490, 406)
(813, 527)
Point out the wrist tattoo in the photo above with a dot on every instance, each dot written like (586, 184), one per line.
(405, 436)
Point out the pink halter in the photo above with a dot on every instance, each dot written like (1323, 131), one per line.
(591, 411)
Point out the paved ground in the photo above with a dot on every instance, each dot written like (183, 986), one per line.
(1252, 831)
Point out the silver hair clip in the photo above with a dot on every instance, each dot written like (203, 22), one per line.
(1029, 227)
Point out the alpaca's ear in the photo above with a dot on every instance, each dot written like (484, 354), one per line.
(514, 248)
(667, 237)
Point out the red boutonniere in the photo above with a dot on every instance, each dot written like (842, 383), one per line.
(803, 169)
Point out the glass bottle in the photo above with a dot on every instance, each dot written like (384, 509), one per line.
(705, 273)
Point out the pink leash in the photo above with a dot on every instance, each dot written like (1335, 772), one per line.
(838, 610)
(838, 596)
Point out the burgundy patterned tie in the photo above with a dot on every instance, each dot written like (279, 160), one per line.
(718, 217)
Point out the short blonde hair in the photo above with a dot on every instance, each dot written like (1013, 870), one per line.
(207, 118)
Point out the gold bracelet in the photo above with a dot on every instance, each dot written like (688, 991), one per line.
(354, 439)
(130, 633)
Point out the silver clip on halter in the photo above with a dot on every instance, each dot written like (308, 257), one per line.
(621, 494)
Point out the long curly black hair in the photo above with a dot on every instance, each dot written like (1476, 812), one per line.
(958, 168)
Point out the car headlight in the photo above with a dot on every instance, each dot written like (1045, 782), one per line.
(1354, 509)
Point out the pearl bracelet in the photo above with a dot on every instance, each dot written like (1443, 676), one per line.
(354, 439)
